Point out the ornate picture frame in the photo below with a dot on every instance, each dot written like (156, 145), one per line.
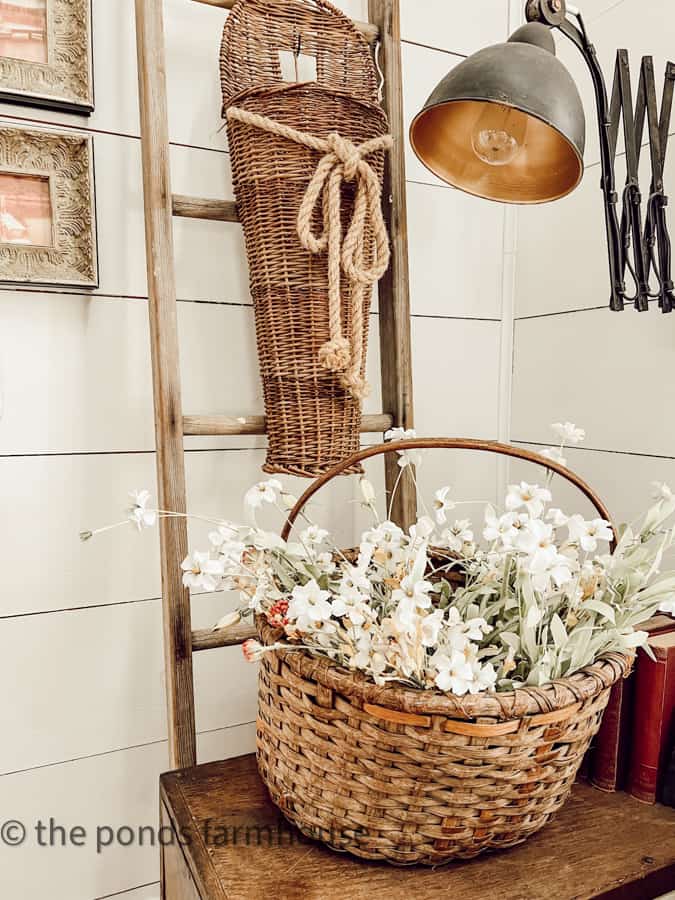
(46, 54)
(47, 208)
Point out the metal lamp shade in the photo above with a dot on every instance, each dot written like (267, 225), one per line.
(522, 75)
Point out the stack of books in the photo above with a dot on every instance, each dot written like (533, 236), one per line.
(635, 743)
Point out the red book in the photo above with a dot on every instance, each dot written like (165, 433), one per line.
(653, 718)
(610, 753)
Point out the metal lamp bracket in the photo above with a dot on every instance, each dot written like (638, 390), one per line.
(548, 12)
(642, 249)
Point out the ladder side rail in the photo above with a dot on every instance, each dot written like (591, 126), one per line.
(394, 288)
(166, 379)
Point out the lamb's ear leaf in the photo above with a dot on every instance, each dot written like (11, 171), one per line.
(559, 632)
(600, 607)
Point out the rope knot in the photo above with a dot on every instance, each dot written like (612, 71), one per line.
(347, 153)
(342, 161)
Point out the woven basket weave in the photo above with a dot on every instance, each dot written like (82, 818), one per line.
(313, 421)
(257, 31)
(419, 776)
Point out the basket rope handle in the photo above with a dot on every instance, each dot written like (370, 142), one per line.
(448, 444)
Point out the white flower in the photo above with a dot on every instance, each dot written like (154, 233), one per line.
(200, 572)
(568, 432)
(414, 589)
(454, 538)
(263, 492)
(668, 606)
(267, 540)
(430, 628)
(501, 528)
(309, 606)
(557, 517)
(313, 535)
(476, 628)
(661, 491)
(485, 677)
(353, 607)
(406, 457)
(587, 534)
(385, 535)
(354, 583)
(225, 533)
(555, 454)
(531, 496)
(442, 504)
(535, 536)
(421, 531)
(139, 514)
(454, 673)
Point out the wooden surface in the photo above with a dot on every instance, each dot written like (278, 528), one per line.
(394, 288)
(237, 846)
(208, 639)
(216, 425)
(201, 208)
(165, 377)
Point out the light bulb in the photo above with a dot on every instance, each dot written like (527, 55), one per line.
(499, 134)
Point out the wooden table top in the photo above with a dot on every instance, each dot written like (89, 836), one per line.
(237, 845)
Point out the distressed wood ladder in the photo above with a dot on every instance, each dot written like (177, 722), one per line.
(180, 641)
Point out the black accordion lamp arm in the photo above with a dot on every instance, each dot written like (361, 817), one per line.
(651, 248)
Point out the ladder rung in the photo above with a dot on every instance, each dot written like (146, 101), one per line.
(224, 425)
(370, 32)
(208, 639)
(199, 208)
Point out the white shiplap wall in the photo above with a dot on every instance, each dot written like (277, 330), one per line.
(83, 722)
(573, 358)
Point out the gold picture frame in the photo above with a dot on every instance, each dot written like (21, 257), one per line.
(47, 208)
(46, 54)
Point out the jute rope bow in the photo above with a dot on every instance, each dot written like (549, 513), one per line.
(342, 160)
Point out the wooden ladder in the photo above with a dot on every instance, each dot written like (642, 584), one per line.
(180, 641)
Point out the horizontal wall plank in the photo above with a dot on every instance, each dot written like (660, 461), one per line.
(458, 27)
(105, 689)
(56, 497)
(85, 376)
(456, 377)
(116, 790)
(606, 373)
(562, 261)
(456, 253)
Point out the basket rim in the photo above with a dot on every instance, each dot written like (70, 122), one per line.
(555, 695)
(311, 86)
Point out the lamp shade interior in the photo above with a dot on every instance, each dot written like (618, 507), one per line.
(546, 167)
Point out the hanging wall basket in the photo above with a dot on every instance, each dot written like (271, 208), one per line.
(307, 166)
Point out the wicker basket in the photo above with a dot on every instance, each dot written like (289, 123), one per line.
(313, 410)
(257, 31)
(312, 420)
(419, 776)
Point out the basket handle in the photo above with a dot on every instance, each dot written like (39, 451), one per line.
(448, 444)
